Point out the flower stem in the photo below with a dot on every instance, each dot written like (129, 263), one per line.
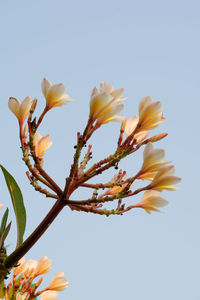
(14, 257)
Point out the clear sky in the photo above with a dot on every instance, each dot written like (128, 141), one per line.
(149, 48)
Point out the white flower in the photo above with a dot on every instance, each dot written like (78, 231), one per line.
(58, 282)
(154, 159)
(41, 143)
(20, 109)
(151, 201)
(54, 94)
(105, 104)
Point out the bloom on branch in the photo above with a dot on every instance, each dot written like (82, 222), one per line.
(105, 103)
(150, 114)
(20, 109)
(41, 144)
(131, 125)
(24, 286)
(154, 159)
(151, 201)
(49, 295)
(43, 265)
(164, 179)
(54, 94)
(30, 268)
(58, 282)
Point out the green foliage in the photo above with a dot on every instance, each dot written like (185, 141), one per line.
(18, 204)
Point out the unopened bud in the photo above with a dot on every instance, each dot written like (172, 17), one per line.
(123, 125)
(157, 137)
(33, 106)
(39, 282)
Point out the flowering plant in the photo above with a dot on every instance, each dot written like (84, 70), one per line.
(106, 104)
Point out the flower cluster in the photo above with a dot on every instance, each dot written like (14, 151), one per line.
(23, 285)
(155, 174)
(105, 106)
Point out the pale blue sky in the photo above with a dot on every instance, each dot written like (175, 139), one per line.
(149, 48)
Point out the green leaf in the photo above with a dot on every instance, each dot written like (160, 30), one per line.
(4, 235)
(4, 221)
(18, 204)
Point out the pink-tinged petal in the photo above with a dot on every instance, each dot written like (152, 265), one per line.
(58, 282)
(49, 295)
(30, 267)
(41, 144)
(46, 85)
(44, 144)
(131, 125)
(44, 265)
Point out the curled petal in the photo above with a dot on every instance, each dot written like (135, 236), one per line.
(164, 179)
(154, 159)
(49, 295)
(58, 282)
(151, 201)
(105, 103)
(20, 109)
(131, 125)
(55, 94)
(41, 144)
(150, 114)
(44, 265)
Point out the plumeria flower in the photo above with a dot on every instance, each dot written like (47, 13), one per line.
(164, 179)
(43, 266)
(49, 295)
(30, 268)
(105, 104)
(154, 159)
(41, 144)
(150, 114)
(151, 201)
(20, 109)
(58, 282)
(54, 94)
(131, 125)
